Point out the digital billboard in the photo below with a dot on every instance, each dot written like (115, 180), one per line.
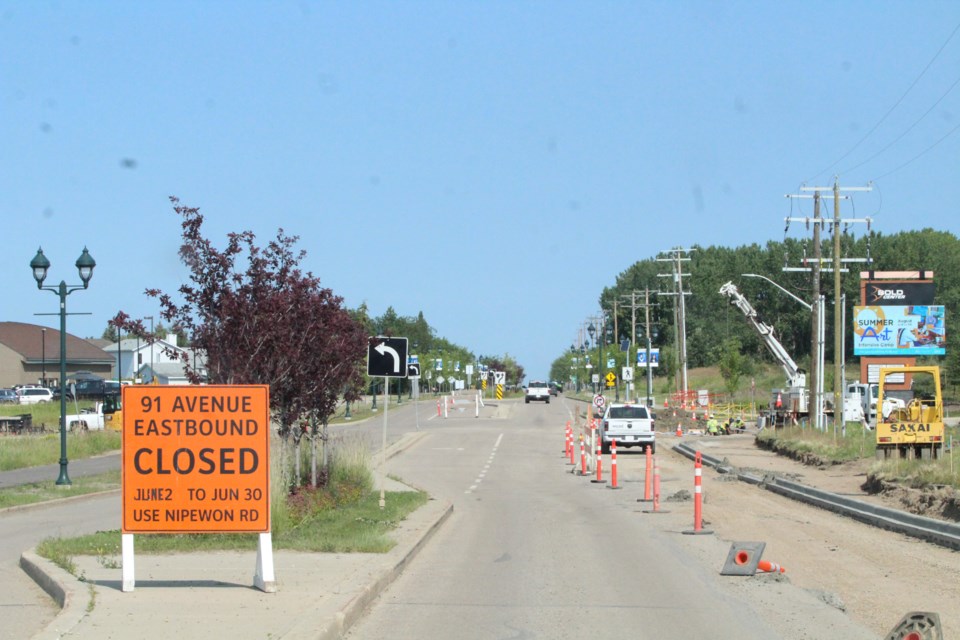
(912, 330)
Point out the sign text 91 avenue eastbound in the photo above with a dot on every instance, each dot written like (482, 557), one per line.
(196, 459)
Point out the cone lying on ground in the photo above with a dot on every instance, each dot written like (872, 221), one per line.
(770, 567)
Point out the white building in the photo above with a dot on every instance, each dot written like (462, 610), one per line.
(133, 355)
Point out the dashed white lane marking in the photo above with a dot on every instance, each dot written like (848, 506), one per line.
(486, 467)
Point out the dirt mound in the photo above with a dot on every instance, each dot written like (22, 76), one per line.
(806, 457)
(940, 502)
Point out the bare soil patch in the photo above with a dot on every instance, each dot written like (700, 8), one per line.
(873, 575)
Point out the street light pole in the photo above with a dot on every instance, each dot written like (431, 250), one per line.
(649, 369)
(153, 375)
(43, 357)
(85, 264)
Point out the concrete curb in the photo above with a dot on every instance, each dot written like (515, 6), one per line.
(429, 519)
(56, 501)
(945, 534)
(405, 442)
(59, 585)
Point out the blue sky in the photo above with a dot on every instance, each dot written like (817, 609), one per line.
(492, 164)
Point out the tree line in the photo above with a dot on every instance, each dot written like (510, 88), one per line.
(717, 334)
(258, 318)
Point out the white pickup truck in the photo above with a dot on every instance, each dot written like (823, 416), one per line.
(87, 419)
(631, 425)
(537, 390)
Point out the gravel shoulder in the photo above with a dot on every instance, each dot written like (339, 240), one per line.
(874, 575)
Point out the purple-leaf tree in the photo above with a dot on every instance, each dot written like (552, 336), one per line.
(269, 323)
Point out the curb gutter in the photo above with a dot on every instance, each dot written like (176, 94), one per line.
(397, 561)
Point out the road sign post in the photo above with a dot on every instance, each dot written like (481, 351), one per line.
(387, 357)
(413, 373)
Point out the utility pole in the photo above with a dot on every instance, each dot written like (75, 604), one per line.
(634, 305)
(616, 339)
(837, 268)
(677, 274)
(633, 332)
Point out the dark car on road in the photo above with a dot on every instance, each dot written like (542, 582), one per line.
(8, 396)
(89, 389)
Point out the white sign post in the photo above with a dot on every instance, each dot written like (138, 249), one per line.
(387, 357)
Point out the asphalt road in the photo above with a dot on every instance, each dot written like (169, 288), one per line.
(533, 551)
(26, 608)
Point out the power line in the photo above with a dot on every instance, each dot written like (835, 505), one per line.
(919, 155)
(891, 109)
(908, 130)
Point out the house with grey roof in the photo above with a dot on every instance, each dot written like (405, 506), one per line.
(134, 355)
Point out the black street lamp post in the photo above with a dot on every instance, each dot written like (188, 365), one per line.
(85, 264)
(650, 336)
(43, 357)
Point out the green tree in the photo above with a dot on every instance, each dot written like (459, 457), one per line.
(110, 333)
(732, 364)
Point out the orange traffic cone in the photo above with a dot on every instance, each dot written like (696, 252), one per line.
(679, 431)
(770, 567)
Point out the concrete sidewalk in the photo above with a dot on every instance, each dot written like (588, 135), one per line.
(210, 595)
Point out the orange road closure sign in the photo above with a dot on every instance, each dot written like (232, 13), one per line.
(196, 459)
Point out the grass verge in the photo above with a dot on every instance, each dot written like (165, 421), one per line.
(360, 527)
(19, 452)
(807, 443)
(818, 447)
(33, 493)
(919, 474)
(342, 516)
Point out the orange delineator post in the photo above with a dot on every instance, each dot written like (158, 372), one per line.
(571, 452)
(566, 441)
(438, 409)
(613, 465)
(697, 493)
(646, 476)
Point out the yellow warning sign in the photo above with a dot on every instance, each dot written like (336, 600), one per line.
(499, 392)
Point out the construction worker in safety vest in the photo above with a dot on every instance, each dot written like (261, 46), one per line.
(712, 425)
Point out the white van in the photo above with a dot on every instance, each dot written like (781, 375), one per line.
(34, 395)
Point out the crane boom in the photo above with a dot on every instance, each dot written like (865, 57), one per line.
(795, 377)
